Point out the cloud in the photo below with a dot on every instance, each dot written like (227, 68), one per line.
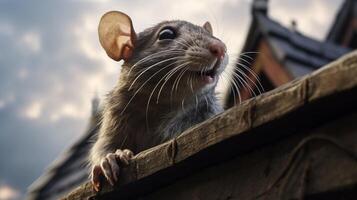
(317, 15)
(33, 110)
(2, 104)
(8, 193)
(22, 73)
(5, 28)
(68, 110)
(6, 100)
(30, 41)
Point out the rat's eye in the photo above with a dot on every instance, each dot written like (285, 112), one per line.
(167, 34)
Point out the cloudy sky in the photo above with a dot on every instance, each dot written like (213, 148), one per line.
(52, 65)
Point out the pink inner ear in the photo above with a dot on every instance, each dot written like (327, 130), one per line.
(125, 40)
(125, 46)
(126, 53)
(207, 26)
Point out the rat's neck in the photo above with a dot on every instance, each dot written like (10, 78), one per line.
(189, 114)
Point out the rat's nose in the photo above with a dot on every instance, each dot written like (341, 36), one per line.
(217, 48)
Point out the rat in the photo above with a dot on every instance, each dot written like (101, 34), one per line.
(166, 85)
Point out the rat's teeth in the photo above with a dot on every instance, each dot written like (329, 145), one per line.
(207, 77)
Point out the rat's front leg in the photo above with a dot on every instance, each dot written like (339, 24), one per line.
(109, 167)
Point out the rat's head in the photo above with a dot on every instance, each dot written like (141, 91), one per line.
(171, 56)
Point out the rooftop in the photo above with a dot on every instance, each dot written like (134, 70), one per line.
(300, 108)
(298, 53)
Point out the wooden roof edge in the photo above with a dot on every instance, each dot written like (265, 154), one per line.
(340, 21)
(164, 163)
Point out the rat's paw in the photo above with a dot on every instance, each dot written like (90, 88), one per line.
(109, 167)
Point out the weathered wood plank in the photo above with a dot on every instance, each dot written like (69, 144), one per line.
(319, 166)
(239, 122)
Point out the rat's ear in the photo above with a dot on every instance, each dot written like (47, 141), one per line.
(207, 26)
(117, 35)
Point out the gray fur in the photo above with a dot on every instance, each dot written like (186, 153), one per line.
(126, 125)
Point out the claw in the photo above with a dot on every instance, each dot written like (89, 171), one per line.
(96, 174)
(111, 158)
(128, 153)
(109, 167)
(107, 171)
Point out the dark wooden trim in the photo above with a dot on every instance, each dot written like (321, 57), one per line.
(256, 66)
(271, 66)
(348, 34)
(266, 63)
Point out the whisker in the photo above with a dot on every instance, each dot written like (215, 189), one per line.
(150, 67)
(203, 69)
(180, 76)
(193, 42)
(173, 85)
(154, 55)
(252, 72)
(246, 56)
(196, 108)
(254, 75)
(183, 105)
(182, 43)
(167, 78)
(246, 61)
(243, 82)
(191, 84)
(250, 52)
(223, 77)
(142, 85)
(233, 85)
(149, 99)
(207, 107)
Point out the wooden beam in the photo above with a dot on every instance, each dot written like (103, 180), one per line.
(313, 99)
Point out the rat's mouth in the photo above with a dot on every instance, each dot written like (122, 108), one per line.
(211, 73)
(209, 76)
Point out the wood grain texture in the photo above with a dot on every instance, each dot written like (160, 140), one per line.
(294, 108)
(319, 166)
